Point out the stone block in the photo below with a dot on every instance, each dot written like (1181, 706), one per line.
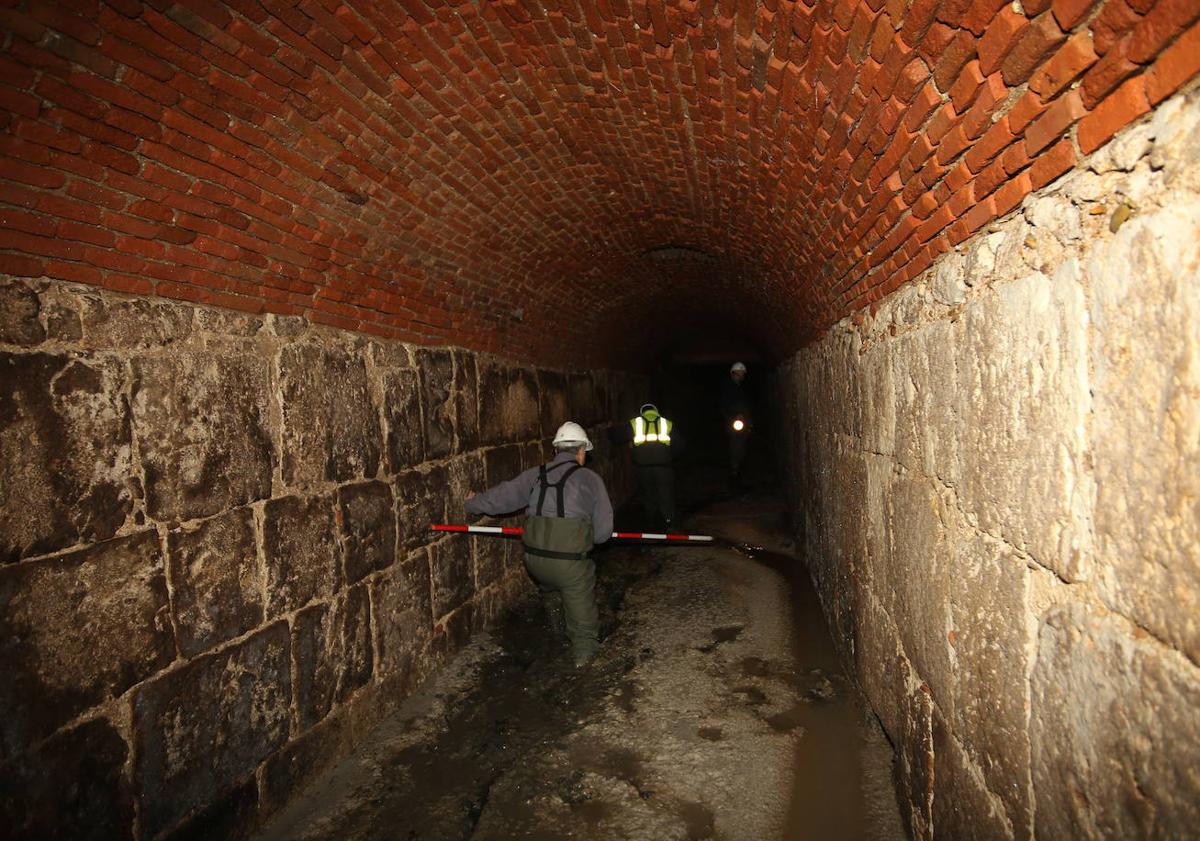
(452, 574)
(367, 515)
(215, 578)
(925, 377)
(127, 323)
(202, 423)
(65, 463)
(402, 414)
(209, 723)
(225, 323)
(421, 500)
(511, 395)
(466, 476)
(555, 408)
(438, 400)
(921, 574)
(963, 808)
(72, 788)
(302, 759)
(915, 765)
(332, 653)
(20, 309)
(466, 399)
(230, 815)
(992, 646)
(581, 397)
(1145, 355)
(502, 463)
(453, 631)
(1022, 411)
(330, 427)
(879, 399)
(301, 552)
(76, 630)
(492, 556)
(400, 602)
(1116, 738)
(880, 666)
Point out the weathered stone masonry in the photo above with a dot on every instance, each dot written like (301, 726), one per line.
(214, 564)
(997, 474)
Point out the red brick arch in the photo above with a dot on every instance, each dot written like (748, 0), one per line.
(494, 173)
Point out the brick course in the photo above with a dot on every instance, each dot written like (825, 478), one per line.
(421, 171)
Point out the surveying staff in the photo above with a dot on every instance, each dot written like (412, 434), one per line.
(654, 442)
(735, 410)
(568, 512)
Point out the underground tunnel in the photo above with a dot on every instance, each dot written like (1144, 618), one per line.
(284, 283)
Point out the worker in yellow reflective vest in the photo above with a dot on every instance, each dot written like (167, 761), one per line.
(650, 435)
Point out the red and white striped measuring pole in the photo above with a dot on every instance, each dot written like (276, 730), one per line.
(619, 535)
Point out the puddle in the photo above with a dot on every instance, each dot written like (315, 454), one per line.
(698, 819)
(712, 734)
(832, 790)
(722, 635)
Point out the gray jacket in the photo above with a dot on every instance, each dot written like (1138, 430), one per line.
(584, 497)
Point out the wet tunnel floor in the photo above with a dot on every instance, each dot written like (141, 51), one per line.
(716, 709)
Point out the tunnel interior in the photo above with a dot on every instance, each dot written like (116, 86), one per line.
(282, 283)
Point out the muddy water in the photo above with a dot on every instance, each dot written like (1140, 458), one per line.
(706, 715)
(841, 784)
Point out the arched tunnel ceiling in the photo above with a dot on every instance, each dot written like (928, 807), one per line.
(574, 181)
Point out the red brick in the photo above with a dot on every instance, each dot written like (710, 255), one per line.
(1072, 59)
(998, 137)
(1115, 19)
(952, 146)
(964, 90)
(1117, 111)
(1026, 110)
(921, 107)
(1070, 12)
(1177, 64)
(1039, 40)
(1002, 36)
(1010, 195)
(20, 265)
(1107, 73)
(1053, 124)
(1052, 163)
(1160, 25)
(993, 93)
(950, 61)
(980, 14)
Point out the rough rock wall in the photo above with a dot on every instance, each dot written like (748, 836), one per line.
(997, 474)
(214, 568)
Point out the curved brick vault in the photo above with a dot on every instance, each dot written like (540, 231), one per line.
(520, 176)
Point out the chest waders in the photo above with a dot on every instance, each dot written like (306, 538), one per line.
(557, 556)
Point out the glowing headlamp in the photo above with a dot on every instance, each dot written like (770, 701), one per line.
(738, 425)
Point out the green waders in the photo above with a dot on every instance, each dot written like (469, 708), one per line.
(556, 555)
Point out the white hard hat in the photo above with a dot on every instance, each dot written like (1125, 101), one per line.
(572, 433)
(737, 366)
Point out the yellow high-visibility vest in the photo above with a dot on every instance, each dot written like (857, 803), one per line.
(657, 431)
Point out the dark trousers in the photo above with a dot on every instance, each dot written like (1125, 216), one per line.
(657, 486)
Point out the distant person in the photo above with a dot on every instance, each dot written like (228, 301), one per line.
(568, 512)
(735, 411)
(653, 440)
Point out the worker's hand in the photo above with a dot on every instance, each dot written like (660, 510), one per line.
(473, 518)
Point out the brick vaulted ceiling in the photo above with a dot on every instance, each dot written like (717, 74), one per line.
(557, 181)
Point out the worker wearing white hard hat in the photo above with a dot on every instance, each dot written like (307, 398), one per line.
(568, 513)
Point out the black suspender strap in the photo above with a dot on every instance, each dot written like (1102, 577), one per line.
(544, 481)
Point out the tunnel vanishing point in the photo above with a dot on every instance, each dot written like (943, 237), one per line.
(280, 282)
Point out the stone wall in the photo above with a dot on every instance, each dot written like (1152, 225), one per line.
(215, 572)
(996, 471)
